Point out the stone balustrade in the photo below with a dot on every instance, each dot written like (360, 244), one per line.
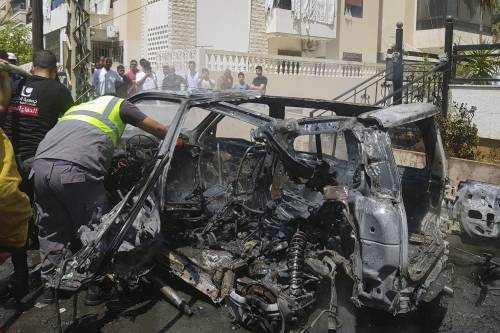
(217, 61)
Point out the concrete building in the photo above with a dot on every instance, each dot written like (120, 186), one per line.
(17, 10)
(348, 30)
(330, 38)
(104, 41)
(353, 31)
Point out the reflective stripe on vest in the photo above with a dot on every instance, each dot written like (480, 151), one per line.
(102, 113)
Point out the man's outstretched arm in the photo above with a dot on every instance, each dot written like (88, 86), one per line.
(153, 127)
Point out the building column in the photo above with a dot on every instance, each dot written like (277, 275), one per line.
(181, 27)
(258, 38)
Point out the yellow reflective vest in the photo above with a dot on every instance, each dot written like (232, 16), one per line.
(102, 113)
(15, 208)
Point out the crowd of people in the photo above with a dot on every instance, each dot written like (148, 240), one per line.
(54, 156)
(141, 77)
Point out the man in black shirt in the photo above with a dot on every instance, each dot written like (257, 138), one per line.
(260, 81)
(171, 80)
(34, 110)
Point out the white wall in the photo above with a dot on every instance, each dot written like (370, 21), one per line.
(155, 29)
(58, 19)
(487, 101)
(223, 24)
(393, 11)
(357, 35)
(156, 13)
(433, 39)
(128, 25)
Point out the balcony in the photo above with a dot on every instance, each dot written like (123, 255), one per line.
(281, 22)
(431, 15)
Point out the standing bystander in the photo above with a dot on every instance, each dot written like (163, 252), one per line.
(241, 85)
(260, 81)
(225, 81)
(132, 74)
(105, 79)
(34, 109)
(205, 82)
(192, 76)
(172, 81)
(122, 88)
(98, 64)
(147, 80)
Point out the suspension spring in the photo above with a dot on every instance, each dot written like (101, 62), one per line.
(296, 261)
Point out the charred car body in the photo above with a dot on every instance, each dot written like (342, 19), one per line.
(258, 223)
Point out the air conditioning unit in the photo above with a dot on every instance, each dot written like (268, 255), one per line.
(310, 45)
(112, 31)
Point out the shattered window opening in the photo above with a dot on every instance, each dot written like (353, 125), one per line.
(333, 145)
(408, 146)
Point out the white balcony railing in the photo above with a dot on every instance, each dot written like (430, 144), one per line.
(217, 60)
(283, 65)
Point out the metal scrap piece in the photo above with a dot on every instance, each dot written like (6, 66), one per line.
(477, 208)
(190, 273)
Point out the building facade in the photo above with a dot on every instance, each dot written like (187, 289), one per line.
(104, 39)
(345, 30)
(357, 31)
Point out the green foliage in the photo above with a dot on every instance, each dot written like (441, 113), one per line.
(15, 37)
(483, 64)
(458, 132)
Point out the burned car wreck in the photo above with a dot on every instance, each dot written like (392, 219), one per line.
(256, 224)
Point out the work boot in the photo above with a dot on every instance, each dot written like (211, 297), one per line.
(48, 295)
(94, 295)
(21, 276)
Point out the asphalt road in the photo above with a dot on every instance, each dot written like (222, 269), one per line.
(468, 310)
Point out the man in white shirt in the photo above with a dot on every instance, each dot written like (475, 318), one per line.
(147, 78)
(205, 82)
(105, 79)
(192, 76)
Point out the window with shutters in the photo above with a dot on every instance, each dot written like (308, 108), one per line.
(354, 8)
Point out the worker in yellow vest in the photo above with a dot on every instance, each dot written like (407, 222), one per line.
(69, 168)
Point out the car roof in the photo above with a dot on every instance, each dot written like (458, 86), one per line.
(386, 117)
(398, 115)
